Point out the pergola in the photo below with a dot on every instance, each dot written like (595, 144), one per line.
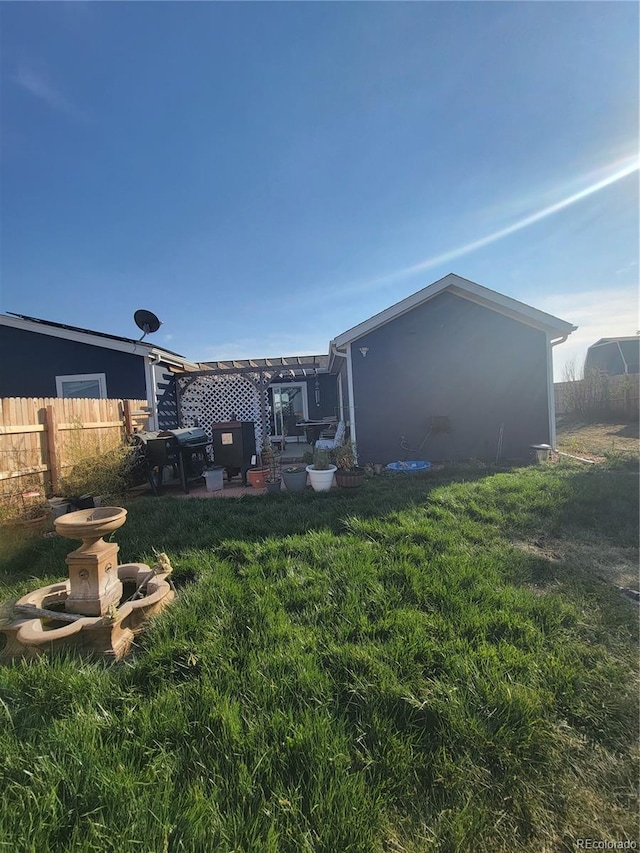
(259, 372)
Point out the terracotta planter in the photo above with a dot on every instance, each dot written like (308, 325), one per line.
(30, 522)
(350, 479)
(257, 477)
(321, 479)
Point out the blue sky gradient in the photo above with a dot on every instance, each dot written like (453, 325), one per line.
(264, 176)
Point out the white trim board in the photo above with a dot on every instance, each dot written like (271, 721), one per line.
(467, 290)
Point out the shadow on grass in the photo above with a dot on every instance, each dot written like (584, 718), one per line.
(627, 431)
(587, 504)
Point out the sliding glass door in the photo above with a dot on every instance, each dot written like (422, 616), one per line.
(288, 407)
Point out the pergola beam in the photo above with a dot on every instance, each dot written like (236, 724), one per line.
(271, 369)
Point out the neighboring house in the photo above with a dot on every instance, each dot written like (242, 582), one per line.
(45, 359)
(614, 356)
(457, 364)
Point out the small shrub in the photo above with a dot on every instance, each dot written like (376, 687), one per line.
(321, 460)
(344, 456)
(101, 473)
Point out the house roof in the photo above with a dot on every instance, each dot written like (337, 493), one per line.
(467, 290)
(88, 336)
(633, 338)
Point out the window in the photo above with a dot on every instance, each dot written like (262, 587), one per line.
(82, 385)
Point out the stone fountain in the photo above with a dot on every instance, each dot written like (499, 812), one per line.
(102, 605)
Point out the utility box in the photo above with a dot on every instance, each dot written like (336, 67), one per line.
(234, 443)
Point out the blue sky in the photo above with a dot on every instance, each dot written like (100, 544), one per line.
(264, 176)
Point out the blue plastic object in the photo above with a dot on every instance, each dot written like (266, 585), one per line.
(409, 467)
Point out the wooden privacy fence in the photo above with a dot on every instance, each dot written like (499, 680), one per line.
(40, 435)
(599, 395)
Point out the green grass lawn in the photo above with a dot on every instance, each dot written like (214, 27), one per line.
(432, 663)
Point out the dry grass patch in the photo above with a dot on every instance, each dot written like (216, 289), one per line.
(599, 441)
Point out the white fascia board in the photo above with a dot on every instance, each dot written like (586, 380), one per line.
(390, 313)
(468, 290)
(509, 307)
(334, 354)
(165, 358)
(134, 348)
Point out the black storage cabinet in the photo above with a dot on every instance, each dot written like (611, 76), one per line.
(234, 443)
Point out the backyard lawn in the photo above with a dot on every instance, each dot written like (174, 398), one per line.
(438, 662)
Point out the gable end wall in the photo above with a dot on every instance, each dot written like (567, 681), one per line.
(450, 357)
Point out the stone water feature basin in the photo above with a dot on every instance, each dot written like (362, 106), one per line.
(90, 524)
(102, 606)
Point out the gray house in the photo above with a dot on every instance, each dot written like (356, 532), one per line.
(455, 370)
(41, 358)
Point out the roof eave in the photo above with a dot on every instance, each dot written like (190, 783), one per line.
(91, 339)
(466, 289)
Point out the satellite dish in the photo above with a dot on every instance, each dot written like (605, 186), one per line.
(147, 321)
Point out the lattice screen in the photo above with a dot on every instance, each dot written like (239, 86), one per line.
(211, 399)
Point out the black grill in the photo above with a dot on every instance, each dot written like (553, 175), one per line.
(184, 448)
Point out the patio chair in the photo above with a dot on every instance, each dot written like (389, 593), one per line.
(329, 427)
(332, 443)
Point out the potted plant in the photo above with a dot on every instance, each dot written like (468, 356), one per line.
(26, 510)
(35, 514)
(295, 478)
(271, 460)
(257, 476)
(321, 471)
(348, 475)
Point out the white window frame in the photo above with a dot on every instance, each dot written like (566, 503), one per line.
(82, 377)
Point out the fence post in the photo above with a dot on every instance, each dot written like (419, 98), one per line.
(52, 447)
(128, 420)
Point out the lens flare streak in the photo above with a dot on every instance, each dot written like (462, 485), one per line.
(612, 178)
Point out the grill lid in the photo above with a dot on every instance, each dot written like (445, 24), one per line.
(192, 437)
(186, 437)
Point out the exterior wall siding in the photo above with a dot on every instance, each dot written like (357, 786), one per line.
(450, 358)
(30, 362)
(328, 405)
